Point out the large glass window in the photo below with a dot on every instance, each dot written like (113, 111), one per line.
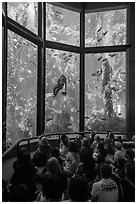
(105, 72)
(62, 25)
(105, 78)
(24, 13)
(62, 91)
(105, 28)
(105, 91)
(21, 88)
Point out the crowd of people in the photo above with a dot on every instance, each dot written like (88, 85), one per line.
(87, 168)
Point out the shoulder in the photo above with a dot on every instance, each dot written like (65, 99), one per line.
(97, 184)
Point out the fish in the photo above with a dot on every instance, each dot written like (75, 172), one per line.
(112, 55)
(94, 74)
(48, 119)
(99, 29)
(105, 33)
(99, 72)
(99, 58)
(104, 60)
(86, 117)
(99, 39)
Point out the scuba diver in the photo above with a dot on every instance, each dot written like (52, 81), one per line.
(62, 81)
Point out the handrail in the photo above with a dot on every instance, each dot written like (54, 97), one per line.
(69, 133)
(17, 144)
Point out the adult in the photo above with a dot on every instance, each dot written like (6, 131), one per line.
(130, 156)
(42, 154)
(72, 160)
(78, 189)
(54, 181)
(105, 190)
(95, 142)
(128, 185)
(64, 145)
(85, 147)
(24, 172)
(120, 151)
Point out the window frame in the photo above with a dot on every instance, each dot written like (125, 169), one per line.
(8, 23)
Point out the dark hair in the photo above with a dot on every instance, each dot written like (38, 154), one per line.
(110, 134)
(23, 156)
(53, 166)
(78, 189)
(64, 139)
(73, 147)
(119, 138)
(106, 171)
(101, 149)
(130, 153)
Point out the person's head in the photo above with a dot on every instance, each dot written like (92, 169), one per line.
(44, 145)
(20, 193)
(73, 147)
(53, 166)
(78, 189)
(110, 135)
(130, 154)
(118, 145)
(85, 142)
(119, 138)
(23, 156)
(106, 171)
(97, 138)
(64, 140)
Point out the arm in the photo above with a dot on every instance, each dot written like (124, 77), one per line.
(94, 193)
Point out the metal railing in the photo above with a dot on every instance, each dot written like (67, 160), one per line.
(28, 140)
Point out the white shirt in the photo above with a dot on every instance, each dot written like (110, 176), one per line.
(105, 190)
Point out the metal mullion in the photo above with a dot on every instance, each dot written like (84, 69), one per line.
(67, 6)
(82, 71)
(61, 46)
(24, 32)
(40, 76)
(130, 70)
(106, 49)
(4, 76)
